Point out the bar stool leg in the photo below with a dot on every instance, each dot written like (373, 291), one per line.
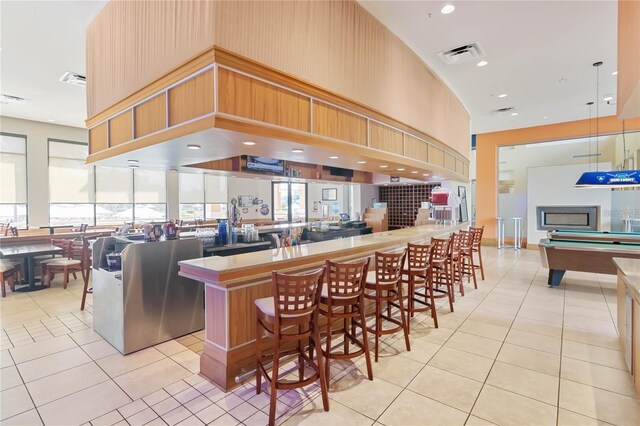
(258, 358)
(324, 383)
(274, 380)
(300, 359)
(328, 342)
(481, 264)
(365, 339)
(377, 341)
(403, 317)
(434, 314)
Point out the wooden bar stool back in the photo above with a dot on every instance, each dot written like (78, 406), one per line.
(466, 257)
(439, 270)
(417, 276)
(343, 299)
(290, 315)
(454, 261)
(384, 282)
(477, 248)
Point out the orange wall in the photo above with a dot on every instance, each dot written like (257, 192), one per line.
(628, 59)
(487, 145)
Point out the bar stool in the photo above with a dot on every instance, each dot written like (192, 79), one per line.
(465, 257)
(454, 261)
(343, 296)
(417, 276)
(384, 281)
(440, 272)
(477, 248)
(290, 315)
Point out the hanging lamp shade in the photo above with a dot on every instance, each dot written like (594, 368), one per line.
(612, 179)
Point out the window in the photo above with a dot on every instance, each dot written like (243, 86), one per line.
(289, 201)
(215, 197)
(71, 184)
(150, 195)
(191, 196)
(114, 195)
(13, 175)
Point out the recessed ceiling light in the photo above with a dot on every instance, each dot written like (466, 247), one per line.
(425, 174)
(545, 117)
(514, 113)
(447, 9)
(249, 143)
(297, 150)
(400, 170)
(383, 166)
(362, 162)
(607, 98)
(193, 146)
(132, 161)
(415, 172)
(614, 73)
(502, 95)
(334, 157)
(482, 63)
(51, 120)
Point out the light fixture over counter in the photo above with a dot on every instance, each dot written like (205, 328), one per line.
(612, 179)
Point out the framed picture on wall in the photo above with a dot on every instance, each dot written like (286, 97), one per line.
(330, 194)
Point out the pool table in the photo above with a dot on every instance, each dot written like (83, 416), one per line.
(585, 251)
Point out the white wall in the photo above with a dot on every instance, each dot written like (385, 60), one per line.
(554, 186)
(314, 195)
(37, 134)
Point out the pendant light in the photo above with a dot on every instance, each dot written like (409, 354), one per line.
(611, 179)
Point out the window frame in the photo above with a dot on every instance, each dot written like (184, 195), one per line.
(26, 161)
(289, 200)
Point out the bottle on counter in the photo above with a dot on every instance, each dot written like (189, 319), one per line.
(234, 235)
(223, 236)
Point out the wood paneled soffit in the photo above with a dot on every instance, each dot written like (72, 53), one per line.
(262, 101)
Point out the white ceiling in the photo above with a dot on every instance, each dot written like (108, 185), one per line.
(530, 46)
(40, 41)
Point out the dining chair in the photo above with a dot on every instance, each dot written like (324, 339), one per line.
(439, 270)
(477, 248)
(417, 275)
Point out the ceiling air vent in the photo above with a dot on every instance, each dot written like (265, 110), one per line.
(461, 54)
(9, 99)
(74, 78)
(502, 111)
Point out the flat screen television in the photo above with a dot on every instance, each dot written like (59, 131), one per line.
(265, 165)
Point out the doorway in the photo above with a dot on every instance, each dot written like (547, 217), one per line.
(289, 201)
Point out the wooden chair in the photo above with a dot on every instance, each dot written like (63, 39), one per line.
(439, 270)
(466, 257)
(9, 272)
(4, 228)
(454, 262)
(417, 275)
(477, 248)
(383, 286)
(343, 298)
(11, 231)
(290, 315)
(77, 261)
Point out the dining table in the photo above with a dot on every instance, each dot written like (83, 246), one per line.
(52, 228)
(28, 252)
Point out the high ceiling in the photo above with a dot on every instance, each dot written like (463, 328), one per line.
(539, 53)
(41, 40)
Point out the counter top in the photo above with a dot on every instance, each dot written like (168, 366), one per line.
(233, 270)
(630, 268)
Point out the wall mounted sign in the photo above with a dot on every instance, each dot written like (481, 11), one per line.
(612, 179)
(245, 200)
(264, 209)
(330, 194)
(395, 179)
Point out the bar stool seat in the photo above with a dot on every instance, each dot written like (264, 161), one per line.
(291, 315)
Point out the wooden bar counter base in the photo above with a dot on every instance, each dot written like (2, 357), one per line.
(233, 283)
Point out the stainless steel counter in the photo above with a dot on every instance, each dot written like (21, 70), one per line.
(147, 302)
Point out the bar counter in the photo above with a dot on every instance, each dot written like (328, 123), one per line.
(233, 283)
(629, 313)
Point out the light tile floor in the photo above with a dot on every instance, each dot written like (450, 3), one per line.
(513, 352)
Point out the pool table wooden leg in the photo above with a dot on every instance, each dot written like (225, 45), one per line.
(555, 276)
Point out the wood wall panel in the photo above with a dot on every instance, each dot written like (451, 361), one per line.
(121, 128)
(151, 115)
(436, 156)
(628, 92)
(459, 166)
(385, 138)
(98, 138)
(339, 124)
(416, 149)
(335, 45)
(250, 98)
(242, 306)
(191, 99)
(216, 315)
(450, 162)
